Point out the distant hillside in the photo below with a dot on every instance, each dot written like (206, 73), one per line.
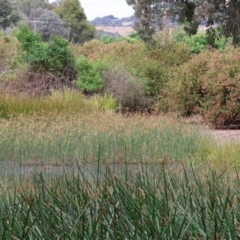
(112, 26)
(110, 20)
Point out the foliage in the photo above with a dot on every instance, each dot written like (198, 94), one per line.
(8, 14)
(199, 42)
(89, 75)
(53, 56)
(36, 55)
(152, 66)
(196, 43)
(106, 39)
(149, 14)
(225, 13)
(27, 6)
(208, 84)
(50, 23)
(75, 21)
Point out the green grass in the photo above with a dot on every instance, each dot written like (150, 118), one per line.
(148, 203)
(59, 102)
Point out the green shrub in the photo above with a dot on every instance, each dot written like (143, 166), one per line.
(196, 43)
(209, 84)
(59, 56)
(200, 41)
(28, 39)
(89, 74)
(54, 56)
(106, 39)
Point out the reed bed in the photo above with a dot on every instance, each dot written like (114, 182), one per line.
(149, 190)
(146, 203)
(65, 138)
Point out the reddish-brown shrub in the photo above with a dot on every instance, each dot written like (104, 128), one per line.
(209, 84)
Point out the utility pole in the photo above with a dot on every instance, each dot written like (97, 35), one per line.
(170, 30)
(69, 29)
(34, 25)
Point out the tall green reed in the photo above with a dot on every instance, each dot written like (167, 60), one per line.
(151, 203)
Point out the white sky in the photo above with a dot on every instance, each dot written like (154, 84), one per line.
(100, 8)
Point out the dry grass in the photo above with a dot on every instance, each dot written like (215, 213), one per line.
(67, 137)
(122, 30)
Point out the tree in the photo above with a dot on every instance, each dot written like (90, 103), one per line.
(75, 21)
(8, 14)
(47, 23)
(190, 12)
(26, 6)
(149, 14)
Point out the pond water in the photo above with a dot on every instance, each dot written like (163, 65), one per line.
(13, 170)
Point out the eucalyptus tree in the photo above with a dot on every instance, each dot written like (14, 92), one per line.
(75, 20)
(8, 13)
(47, 23)
(26, 6)
(226, 14)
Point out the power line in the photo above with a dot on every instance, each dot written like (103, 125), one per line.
(96, 23)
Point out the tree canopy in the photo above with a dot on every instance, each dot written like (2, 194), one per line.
(26, 6)
(47, 23)
(8, 13)
(75, 20)
(226, 14)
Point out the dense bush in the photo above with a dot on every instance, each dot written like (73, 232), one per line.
(54, 56)
(127, 89)
(152, 66)
(208, 84)
(89, 74)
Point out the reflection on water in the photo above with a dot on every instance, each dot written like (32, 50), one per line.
(16, 171)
